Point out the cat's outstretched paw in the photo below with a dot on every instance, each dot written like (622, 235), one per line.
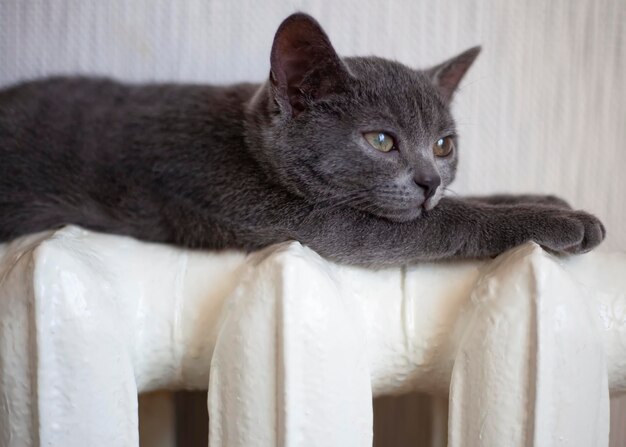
(593, 234)
(569, 232)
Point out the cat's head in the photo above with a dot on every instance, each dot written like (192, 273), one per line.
(364, 132)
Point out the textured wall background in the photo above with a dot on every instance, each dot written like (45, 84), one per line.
(543, 110)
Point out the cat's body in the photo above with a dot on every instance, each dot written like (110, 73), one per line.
(249, 165)
(154, 162)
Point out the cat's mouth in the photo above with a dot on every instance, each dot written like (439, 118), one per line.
(430, 203)
(403, 213)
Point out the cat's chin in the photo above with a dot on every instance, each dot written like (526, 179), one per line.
(401, 215)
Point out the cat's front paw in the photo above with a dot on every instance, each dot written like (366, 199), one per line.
(571, 232)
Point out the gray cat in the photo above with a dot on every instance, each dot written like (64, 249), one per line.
(350, 156)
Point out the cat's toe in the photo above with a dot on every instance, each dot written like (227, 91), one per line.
(594, 234)
(568, 235)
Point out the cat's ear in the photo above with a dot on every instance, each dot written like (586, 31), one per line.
(447, 76)
(304, 64)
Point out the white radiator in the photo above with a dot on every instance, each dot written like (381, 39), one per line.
(292, 347)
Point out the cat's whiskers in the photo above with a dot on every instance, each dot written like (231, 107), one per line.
(446, 189)
(342, 200)
(323, 206)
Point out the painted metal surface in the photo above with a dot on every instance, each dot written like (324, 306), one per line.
(294, 347)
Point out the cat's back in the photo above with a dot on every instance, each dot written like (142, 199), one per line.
(95, 119)
(38, 99)
(60, 104)
(104, 149)
(55, 115)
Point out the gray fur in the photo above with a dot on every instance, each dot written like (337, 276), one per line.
(249, 165)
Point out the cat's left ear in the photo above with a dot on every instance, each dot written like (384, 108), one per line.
(447, 76)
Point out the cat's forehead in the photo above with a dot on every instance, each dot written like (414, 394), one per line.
(405, 93)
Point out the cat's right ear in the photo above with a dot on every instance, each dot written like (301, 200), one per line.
(305, 66)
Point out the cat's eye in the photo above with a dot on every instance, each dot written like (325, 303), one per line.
(443, 147)
(380, 141)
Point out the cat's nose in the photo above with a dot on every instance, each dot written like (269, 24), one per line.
(429, 184)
